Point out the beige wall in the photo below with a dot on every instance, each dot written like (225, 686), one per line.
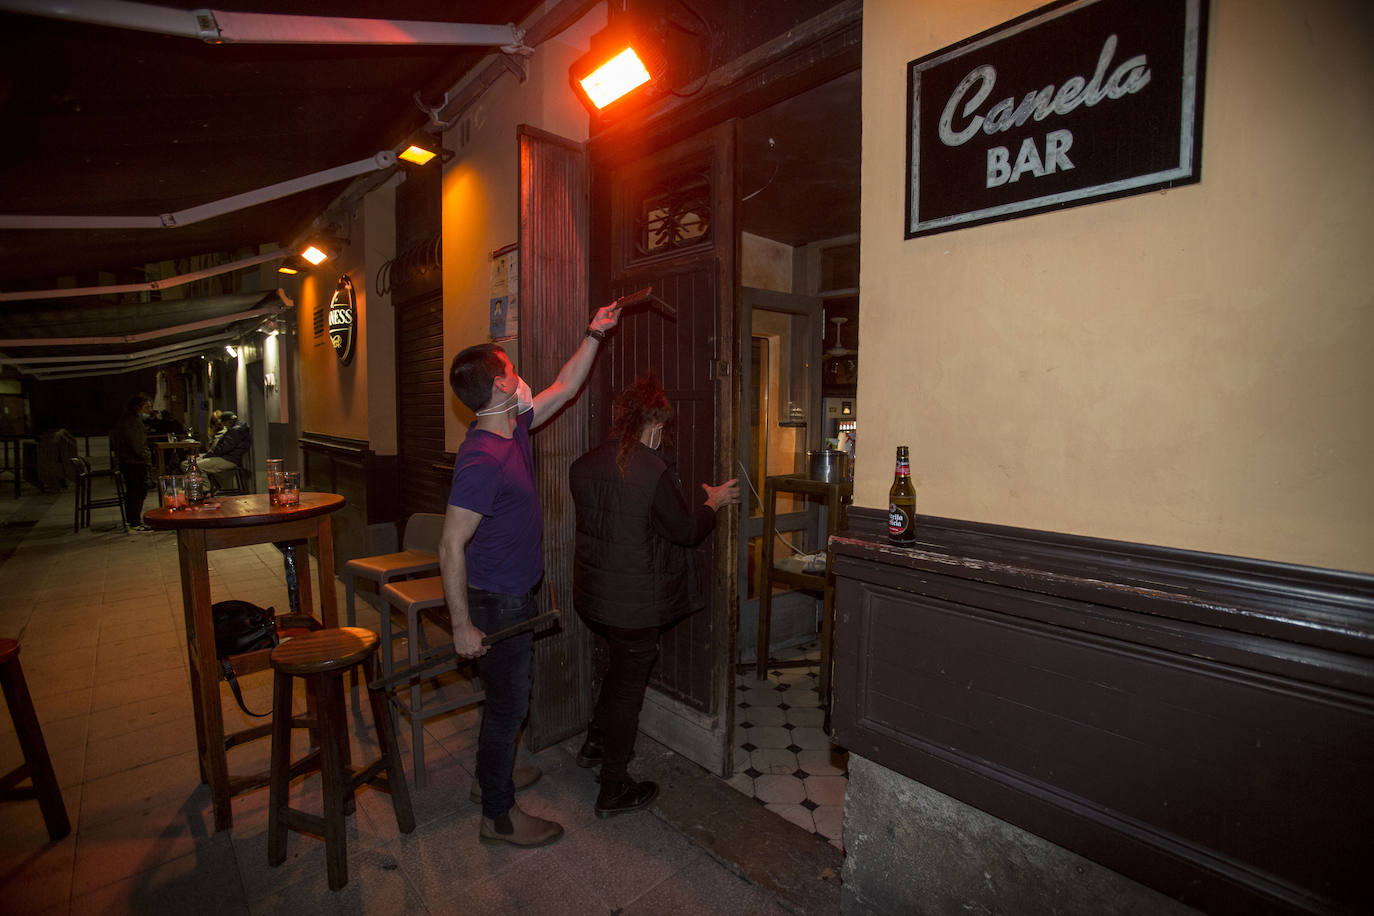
(1189, 368)
(764, 263)
(333, 397)
(481, 190)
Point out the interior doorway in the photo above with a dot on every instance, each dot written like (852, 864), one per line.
(798, 332)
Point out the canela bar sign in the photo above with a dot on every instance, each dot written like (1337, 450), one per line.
(1075, 102)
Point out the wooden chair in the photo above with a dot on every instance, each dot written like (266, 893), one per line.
(37, 766)
(85, 502)
(419, 554)
(322, 658)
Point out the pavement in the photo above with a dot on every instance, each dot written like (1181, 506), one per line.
(103, 647)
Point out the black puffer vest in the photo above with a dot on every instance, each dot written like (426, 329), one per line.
(625, 573)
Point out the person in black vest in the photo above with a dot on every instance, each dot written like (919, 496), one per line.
(633, 573)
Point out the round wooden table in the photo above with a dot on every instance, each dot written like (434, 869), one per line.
(238, 521)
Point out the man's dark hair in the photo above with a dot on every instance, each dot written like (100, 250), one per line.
(228, 417)
(472, 373)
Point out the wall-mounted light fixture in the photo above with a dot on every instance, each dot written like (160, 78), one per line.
(421, 148)
(621, 70)
(232, 351)
(314, 254)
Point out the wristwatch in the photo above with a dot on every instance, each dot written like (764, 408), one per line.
(598, 336)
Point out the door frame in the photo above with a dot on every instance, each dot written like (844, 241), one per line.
(812, 307)
(705, 738)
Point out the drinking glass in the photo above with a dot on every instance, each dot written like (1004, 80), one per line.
(274, 472)
(290, 489)
(172, 489)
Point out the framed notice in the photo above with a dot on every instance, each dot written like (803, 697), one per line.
(1075, 102)
(505, 293)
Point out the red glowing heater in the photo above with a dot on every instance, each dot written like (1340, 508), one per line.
(619, 72)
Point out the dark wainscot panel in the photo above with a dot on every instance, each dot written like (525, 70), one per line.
(367, 482)
(1202, 724)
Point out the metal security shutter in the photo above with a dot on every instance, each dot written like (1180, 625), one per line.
(420, 404)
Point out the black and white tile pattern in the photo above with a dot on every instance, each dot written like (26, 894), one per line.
(783, 757)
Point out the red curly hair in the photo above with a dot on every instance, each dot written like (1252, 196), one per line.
(640, 405)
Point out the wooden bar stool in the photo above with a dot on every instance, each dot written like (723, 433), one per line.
(37, 765)
(413, 597)
(321, 659)
(419, 554)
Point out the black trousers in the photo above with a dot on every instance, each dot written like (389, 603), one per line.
(135, 489)
(632, 657)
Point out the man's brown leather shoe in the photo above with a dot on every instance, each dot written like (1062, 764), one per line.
(524, 778)
(519, 829)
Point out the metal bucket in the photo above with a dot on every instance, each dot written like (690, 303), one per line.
(826, 465)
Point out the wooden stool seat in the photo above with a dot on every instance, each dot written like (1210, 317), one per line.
(37, 765)
(322, 658)
(322, 651)
(419, 554)
(413, 597)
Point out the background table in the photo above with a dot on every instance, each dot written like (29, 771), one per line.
(168, 452)
(238, 521)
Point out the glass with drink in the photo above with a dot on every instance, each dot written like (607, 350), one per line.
(172, 490)
(274, 472)
(290, 489)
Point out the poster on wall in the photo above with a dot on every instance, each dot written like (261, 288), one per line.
(505, 293)
(1075, 102)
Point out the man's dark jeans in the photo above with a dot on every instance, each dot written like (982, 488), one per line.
(632, 656)
(506, 670)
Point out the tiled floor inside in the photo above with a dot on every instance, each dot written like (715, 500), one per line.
(783, 757)
(98, 616)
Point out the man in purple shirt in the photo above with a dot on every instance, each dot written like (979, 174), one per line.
(491, 559)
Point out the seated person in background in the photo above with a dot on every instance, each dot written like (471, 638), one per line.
(229, 449)
(216, 427)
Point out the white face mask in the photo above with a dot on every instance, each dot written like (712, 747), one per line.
(524, 401)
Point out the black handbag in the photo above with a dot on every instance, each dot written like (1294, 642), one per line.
(241, 627)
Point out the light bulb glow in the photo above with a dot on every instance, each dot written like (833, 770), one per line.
(417, 155)
(313, 255)
(615, 78)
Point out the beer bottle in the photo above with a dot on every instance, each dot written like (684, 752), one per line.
(901, 503)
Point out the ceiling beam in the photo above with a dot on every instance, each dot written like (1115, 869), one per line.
(152, 285)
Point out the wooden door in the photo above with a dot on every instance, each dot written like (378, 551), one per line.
(553, 318)
(671, 226)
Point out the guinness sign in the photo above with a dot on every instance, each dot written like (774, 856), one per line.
(343, 320)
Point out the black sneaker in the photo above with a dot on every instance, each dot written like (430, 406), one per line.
(624, 796)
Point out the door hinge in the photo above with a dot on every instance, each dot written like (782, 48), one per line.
(720, 368)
